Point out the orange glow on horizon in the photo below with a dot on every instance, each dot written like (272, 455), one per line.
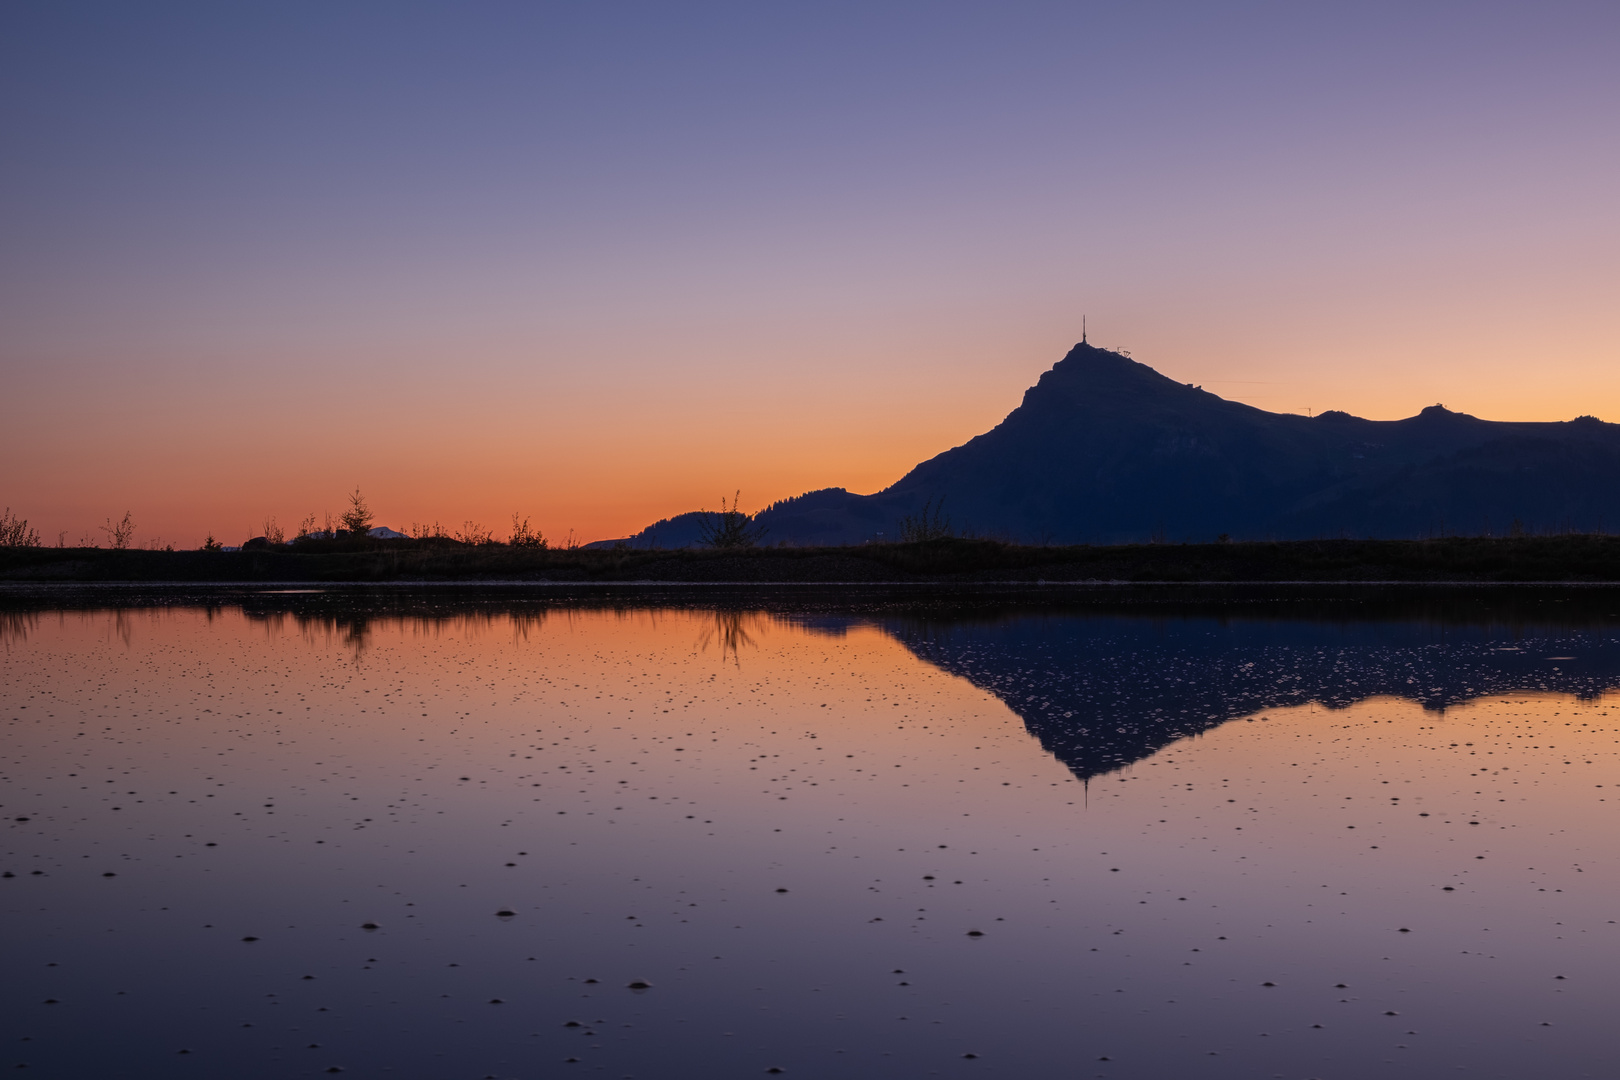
(607, 453)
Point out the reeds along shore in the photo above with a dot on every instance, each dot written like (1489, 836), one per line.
(1573, 558)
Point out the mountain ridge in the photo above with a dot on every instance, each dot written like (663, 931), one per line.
(1104, 449)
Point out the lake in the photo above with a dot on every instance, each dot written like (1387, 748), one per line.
(627, 833)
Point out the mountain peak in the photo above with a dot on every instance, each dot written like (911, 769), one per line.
(1088, 369)
(1085, 352)
(1440, 413)
(1105, 449)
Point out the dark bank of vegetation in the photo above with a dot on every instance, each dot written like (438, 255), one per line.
(358, 558)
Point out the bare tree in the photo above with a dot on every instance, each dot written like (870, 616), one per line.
(273, 532)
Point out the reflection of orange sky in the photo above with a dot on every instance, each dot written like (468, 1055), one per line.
(272, 695)
(844, 706)
(649, 717)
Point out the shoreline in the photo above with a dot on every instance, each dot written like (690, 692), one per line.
(1570, 559)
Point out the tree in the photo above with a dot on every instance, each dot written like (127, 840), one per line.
(730, 527)
(357, 518)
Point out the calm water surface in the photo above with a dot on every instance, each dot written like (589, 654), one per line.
(266, 837)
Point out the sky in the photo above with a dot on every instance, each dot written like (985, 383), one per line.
(604, 263)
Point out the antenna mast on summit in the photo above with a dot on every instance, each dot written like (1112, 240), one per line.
(1082, 329)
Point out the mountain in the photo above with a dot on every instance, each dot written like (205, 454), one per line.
(1106, 450)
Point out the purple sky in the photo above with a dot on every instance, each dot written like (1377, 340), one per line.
(603, 262)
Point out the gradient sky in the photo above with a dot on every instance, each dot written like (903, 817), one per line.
(605, 262)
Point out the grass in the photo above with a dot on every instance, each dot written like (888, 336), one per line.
(1574, 558)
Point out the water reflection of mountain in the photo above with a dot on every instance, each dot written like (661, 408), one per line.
(1102, 676)
(1102, 692)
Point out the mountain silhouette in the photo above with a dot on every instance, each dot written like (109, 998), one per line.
(1104, 449)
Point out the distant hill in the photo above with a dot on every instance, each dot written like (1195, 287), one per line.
(1106, 450)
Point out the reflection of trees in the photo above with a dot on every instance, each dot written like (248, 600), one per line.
(16, 625)
(730, 629)
(526, 622)
(352, 631)
(324, 617)
(355, 634)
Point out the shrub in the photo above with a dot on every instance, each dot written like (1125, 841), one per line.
(523, 536)
(730, 527)
(121, 533)
(931, 524)
(15, 533)
(474, 534)
(273, 532)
